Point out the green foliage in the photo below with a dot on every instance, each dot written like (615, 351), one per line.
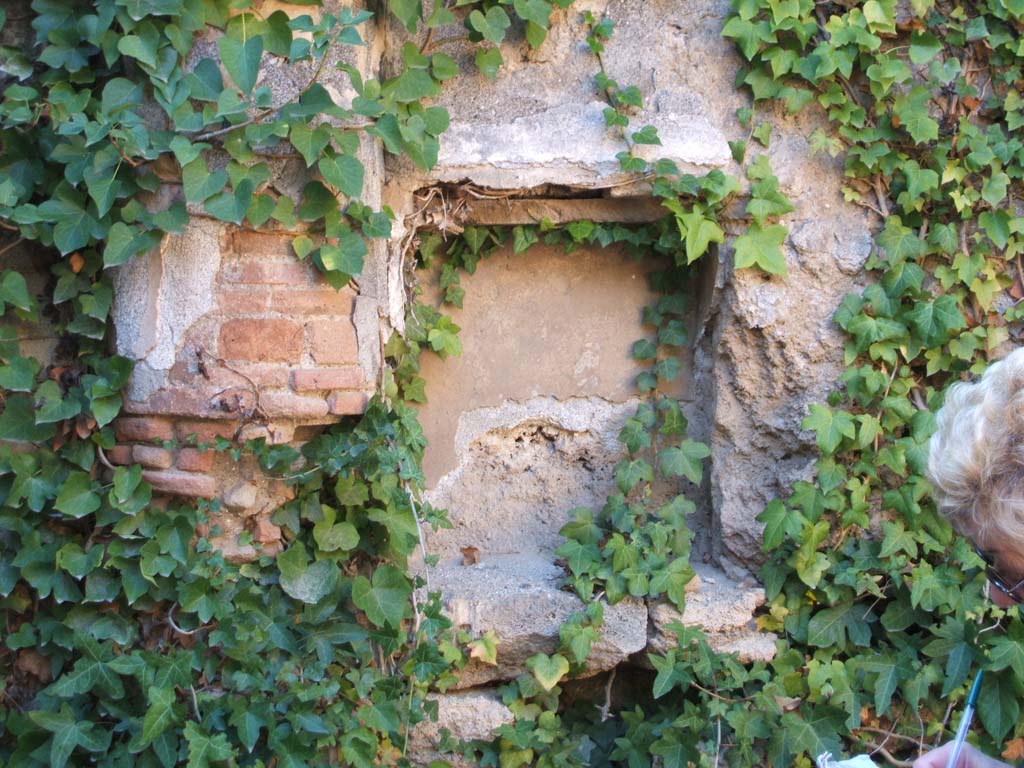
(131, 641)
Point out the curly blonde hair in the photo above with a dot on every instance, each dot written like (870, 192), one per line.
(976, 456)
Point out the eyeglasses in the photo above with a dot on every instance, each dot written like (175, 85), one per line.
(1000, 583)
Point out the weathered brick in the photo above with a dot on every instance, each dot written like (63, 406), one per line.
(265, 375)
(333, 341)
(194, 460)
(143, 429)
(275, 433)
(261, 340)
(245, 242)
(265, 532)
(205, 431)
(325, 301)
(285, 404)
(308, 379)
(346, 403)
(243, 302)
(120, 454)
(267, 273)
(152, 457)
(179, 483)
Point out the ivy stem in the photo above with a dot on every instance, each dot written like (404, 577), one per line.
(273, 110)
(444, 41)
(20, 240)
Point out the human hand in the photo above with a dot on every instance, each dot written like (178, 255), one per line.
(969, 758)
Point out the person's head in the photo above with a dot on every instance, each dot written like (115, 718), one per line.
(976, 465)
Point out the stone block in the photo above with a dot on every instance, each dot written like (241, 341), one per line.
(722, 608)
(240, 497)
(467, 715)
(520, 598)
(143, 430)
(177, 483)
(261, 340)
(332, 342)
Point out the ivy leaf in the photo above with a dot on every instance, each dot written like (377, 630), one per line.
(675, 750)
(548, 670)
(492, 25)
(686, 460)
(779, 523)
(309, 142)
(341, 536)
(830, 427)
(204, 750)
(77, 497)
(305, 581)
(69, 733)
(489, 61)
(935, 321)
(409, 12)
(630, 472)
(998, 706)
(699, 232)
(384, 597)
(343, 172)
(18, 421)
(912, 111)
(160, 715)
(139, 48)
(241, 60)
(443, 338)
(199, 183)
(485, 648)
(19, 375)
(347, 256)
(761, 246)
(14, 291)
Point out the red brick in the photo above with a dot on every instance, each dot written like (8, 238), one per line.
(245, 242)
(194, 460)
(206, 431)
(152, 457)
(261, 340)
(346, 403)
(285, 404)
(267, 273)
(265, 375)
(243, 302)
(143, 430)
(308, 379)
(265, 532)
(179, 483)
(326, 301)
(333, 341)
(120, 454)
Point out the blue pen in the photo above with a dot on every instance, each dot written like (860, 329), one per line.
(965, 722)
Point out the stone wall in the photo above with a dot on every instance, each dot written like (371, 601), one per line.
(235, 337)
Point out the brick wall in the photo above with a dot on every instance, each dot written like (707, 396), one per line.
(275, 356)
(279, 343)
